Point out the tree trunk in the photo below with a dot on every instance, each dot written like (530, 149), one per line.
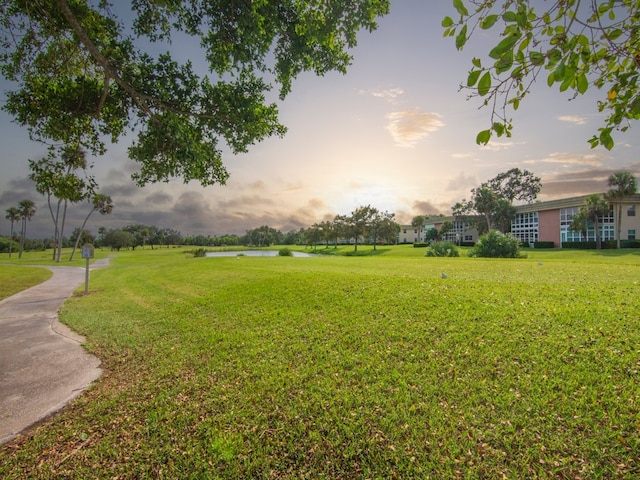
(80, 234)
(618, 224)
(64, 216)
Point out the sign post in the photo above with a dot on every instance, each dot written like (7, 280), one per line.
(87, 253)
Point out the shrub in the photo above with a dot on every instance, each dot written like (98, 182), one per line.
(543, 245)
(496, 245)
(199, 252)
(442, 249)
(285, 252)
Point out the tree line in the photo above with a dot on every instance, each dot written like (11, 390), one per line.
(491, 206)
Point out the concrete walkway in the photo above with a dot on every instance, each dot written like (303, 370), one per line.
(43, 365)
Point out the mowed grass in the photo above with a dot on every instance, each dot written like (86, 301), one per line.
(352, 367)
(14, 279)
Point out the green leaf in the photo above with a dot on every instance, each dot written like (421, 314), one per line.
(461, 38)
(504, 46)
(447, 22)
(505, 63)
(517, 73)
(476, 63)
(509, 16)
(605, 138)
(582, 83)
(498, 128)
(485, 84)
(483, 137)
(559, 72)
(614, 34)
(472, 79)
(459, 6)
(488, 22)
(536, 58)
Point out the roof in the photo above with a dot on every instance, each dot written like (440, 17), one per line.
(565, 203)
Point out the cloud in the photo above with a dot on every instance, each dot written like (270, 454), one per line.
(583, 182)
(496, 145)
(461, 182)
(567, 158)
(391, 95)
(408, 127)
(574, 119)
(462, 156)
(425, 207)
(159, 198)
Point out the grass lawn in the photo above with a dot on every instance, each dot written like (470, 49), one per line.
(14, 279)
(352, 367)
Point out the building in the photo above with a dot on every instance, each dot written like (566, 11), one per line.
(550, 221)
(410, 234)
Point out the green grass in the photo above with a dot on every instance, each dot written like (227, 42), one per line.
(352, 367)
(14, 279)
(44, 257)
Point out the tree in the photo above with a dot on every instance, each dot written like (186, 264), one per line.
(117, 239)
(417, 222)
(595, 207)
(446, 227)
(26, 209)
(580, 46)
(82, 76)
(13, 215)
(579, 223)
(358, 223)
(493, 200)
(101, 233)
(383, 226)
(59, 179)
(516, 185)
(81, 236)
(314, 235)
(622, 184)
(102, 204)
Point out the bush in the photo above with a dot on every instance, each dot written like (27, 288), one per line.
(442, 249)
(496, 245)
(199, 252)
(285, 252)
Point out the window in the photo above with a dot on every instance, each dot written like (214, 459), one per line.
(525, 227)
(631, 211)
(607, 230)
(631, 234)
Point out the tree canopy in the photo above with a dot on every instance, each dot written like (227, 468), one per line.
(86, 72)
(491, 204)
(576, 45)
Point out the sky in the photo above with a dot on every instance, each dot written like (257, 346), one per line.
(395, 133)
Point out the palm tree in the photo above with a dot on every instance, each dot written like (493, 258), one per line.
(595, 207)
(26, 209)
(13, 215)
(579, 224)
(622, 185)
(101, 204)
(418, 223)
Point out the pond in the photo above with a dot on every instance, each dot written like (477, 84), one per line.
(255, 253)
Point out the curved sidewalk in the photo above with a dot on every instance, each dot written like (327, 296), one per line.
(43, 365)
